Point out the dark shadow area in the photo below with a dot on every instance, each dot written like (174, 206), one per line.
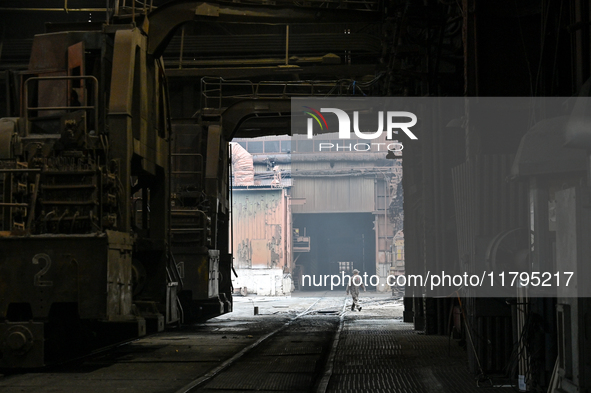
(338, 242)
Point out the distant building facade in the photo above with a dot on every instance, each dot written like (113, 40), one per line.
(315, 211)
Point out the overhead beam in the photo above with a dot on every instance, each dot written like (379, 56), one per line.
(235, 115)
(249, 72)
(256, 116)
(165, 20)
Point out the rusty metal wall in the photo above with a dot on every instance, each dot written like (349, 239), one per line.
(259, 228)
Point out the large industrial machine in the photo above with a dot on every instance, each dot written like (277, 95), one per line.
(108, 229)
(114, 222)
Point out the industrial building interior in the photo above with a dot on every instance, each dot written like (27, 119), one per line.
(177, 85)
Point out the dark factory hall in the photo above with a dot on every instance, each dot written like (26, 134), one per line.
(295, 196)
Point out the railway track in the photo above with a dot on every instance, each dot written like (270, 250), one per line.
(314, 346)
(289, 346)
(292, 357)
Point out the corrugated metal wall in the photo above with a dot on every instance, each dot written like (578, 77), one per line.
(259, 228)
(487, 204)
(345, 183)
(334, 195)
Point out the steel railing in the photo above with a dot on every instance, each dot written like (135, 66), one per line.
(28, 108)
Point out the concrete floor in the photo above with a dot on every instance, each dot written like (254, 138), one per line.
(375, 352)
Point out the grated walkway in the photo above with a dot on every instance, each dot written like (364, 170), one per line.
(386, 355)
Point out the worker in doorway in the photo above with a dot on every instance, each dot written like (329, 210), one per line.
(354, 283)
